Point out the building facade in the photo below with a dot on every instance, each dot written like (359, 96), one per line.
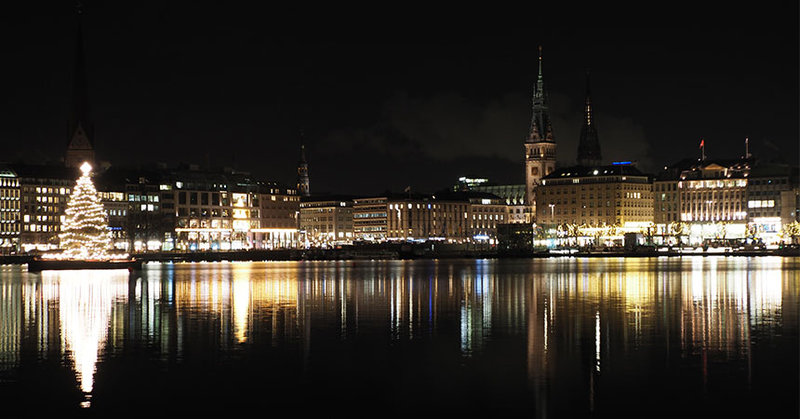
(9, 212)
(725, 199)
(370, 218)
(513, 197)
(713, 200)
(44, 192)
(193, 209)
(326, 221)
(453, 217)
(772, 201)
(278, 218)
(615, 195)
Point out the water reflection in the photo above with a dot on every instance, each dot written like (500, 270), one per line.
(581, 326)
(66, 314)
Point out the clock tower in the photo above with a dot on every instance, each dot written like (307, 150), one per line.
(540, 147)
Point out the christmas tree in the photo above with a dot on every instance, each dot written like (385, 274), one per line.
(84, 231)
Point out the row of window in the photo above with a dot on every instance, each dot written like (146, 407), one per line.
(370, 215)
(9, 228)
(46, 190)
(41, 208)
(9, 193)
(41, 227)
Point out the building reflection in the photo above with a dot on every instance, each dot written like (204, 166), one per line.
(612, 315)
(585, 319)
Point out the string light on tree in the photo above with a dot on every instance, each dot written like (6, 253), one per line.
(84, 231)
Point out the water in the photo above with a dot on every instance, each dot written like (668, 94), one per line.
(546, 337)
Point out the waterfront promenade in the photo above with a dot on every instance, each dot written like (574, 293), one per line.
(428, 251)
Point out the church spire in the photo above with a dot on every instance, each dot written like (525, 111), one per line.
(589, 145)
(541, 129)
(303, 184)
(80, 130)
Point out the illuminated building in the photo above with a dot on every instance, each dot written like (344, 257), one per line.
(276, 223)
(540, 146)
(588, 145)
(44, 191)
(80, 141)
(140, 206)
(370, 218)
(772, 200)
(617, 194)
(9, 211)
(117, 209)
(726, 199)
(468, 184)
(486, 211)
(423, 217)
(512, 195)
(327, 220)
(231, 210)
(708, 196)
(451, 216)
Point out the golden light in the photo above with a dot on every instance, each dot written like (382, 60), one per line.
(86, 168)
(85, 302)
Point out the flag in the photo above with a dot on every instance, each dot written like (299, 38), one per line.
(702, 143)
(407, 189)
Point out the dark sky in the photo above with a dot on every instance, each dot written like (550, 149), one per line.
(397, 96)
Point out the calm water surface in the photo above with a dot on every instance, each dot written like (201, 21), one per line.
(547, 338)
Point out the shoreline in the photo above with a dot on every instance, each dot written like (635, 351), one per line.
(399, 253)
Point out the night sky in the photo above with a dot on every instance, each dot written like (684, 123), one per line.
(394, 96)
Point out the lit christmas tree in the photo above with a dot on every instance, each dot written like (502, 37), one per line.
(84, 231)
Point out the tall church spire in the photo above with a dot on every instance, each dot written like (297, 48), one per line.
(80, 130)
(541, 129)
(303, 184)
(589, 145)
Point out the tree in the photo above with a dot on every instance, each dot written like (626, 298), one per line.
(791, 232)
(678, 229)
(84, 231)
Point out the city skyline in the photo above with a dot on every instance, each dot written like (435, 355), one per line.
(398, 110)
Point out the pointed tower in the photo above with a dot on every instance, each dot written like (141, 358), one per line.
(80, 130)
(589, 145)
(303, 187)
(540, 147)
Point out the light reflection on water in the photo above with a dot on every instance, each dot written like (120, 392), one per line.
(555, 334)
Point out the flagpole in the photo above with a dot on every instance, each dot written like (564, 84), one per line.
(704, 150)
(746, 147)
